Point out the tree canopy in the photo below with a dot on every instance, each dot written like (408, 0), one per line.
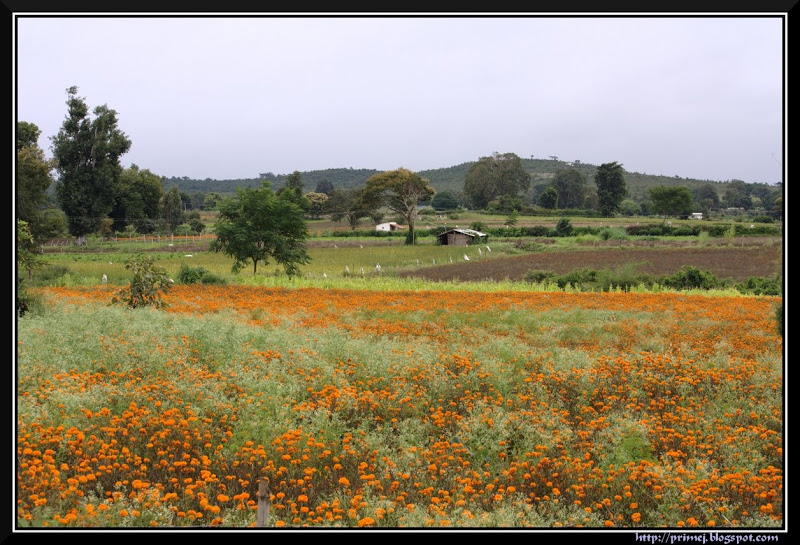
(138, 200)
(671, 200)
(32, 182)
(401, 191)
(257, 224)
(87, 151)
(495, 176)
(611, 187)
(570, 183)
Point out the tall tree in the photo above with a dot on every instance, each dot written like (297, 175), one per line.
(670, 201)
(87, 152)
(172, 208)
(492, 177)
(138, 200)
(257, 224)
(349, 204)
(32, 181)
(611, 187)
(549, 198)
(293, 190)
(737, 195)
(400, 191)
(570, 183)
(707, 198)
(317, 202)
(324, 186)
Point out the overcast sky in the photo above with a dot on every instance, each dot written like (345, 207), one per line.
(222, 97)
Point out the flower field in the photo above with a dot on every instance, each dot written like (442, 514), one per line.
(365, 408)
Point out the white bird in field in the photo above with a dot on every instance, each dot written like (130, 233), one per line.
(347, 269)
(488, 249)
(451, 259)
(324, 275)
(466, 257)
(480, 252)
(434, 261)
(378, 267)
(188, 255)
(362, 271)
(105, 279)
(360, 245)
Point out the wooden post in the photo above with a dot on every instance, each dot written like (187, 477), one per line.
(263, 503)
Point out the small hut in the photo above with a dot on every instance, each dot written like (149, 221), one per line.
(460, 237)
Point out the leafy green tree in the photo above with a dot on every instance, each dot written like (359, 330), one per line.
(570, 183)
(348, 205)
(324, 186)
(27, 262)
(400, 191)
(611, 187)
(494, 176)
(445, 200)
(670, 201)
(737, 195)
(317, 202)
(32, 181)
(87, 152)
(257, 224)
(629, 207)
(549, 198)
(293, 190)
(707, 198)
(211, 200)
(172, 209)
(138, 199)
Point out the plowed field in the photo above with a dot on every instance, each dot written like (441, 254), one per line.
(737, 261)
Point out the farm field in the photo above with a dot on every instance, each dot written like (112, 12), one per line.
(396, 408)
(756, 258)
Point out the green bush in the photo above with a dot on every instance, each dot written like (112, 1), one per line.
(538, 276)
(564, 228)
(193, 275)
(690, 277)
(147, 286)
(761, 286)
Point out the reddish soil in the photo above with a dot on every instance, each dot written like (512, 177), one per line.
(737, 261)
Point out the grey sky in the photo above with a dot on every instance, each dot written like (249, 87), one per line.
(697, 97)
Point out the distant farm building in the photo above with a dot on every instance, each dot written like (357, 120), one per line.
(390, 226)
(696, 216)
(460, 237)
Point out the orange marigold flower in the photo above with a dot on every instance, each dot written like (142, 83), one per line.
(366, 521)
(344, 481)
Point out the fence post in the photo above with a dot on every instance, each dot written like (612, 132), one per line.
(263, 503)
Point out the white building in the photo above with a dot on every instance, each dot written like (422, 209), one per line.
(390, 226)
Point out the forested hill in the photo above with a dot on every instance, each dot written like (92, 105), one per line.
(442, 179)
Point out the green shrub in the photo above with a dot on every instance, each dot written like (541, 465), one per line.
(613, 233)
(761, 286)
(578, 278)
(147, 286)
(193, 275)
(538, 276)
(564, 228)
(690, 277)
(779, 317)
